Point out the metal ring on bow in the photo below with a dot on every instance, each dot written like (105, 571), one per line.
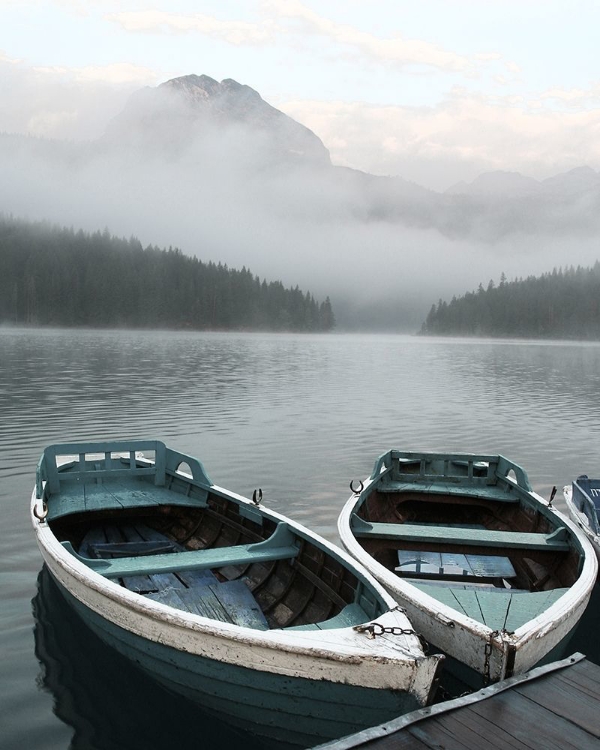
(40, 516)
(361, 487)
(254, 497)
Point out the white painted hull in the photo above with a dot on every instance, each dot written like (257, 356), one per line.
(495, 655)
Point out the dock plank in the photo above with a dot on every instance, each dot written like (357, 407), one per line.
(567, 700)
(553, 707)
(514, 715)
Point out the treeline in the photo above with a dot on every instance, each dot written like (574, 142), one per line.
(59, 277)
(561, 304)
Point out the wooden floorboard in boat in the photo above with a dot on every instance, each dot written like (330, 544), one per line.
(195, 591)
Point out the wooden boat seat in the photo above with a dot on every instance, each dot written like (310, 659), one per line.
(279, 546)
(350, 615)
(434, 487)
(130, 549)
(495, 607)
(405, 532)
(423, 564)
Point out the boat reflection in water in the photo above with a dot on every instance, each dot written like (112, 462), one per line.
(107, 701)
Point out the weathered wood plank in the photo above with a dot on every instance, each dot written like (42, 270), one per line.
(239, 603)
(554, 707)
(92, 537)
(491, 566)
(468, 601)
(419, 563)
(565, 697)
(453, 564)
(494, 608)
(457, 731)
(512, 714)
(193, 578)
(525, 608)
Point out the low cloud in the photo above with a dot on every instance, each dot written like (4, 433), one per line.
(382, 249)
(458, 139)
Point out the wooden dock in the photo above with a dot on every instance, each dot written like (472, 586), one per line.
(555, 707)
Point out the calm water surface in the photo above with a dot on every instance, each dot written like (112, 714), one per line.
(298, 416)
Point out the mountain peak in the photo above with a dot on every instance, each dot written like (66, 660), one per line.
(193, 107)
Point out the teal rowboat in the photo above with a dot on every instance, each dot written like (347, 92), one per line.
(225, 602)
(487, 571)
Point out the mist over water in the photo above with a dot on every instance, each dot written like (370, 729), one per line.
(247, 186)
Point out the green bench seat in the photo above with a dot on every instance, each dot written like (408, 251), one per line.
(279, 546)
(405, 532)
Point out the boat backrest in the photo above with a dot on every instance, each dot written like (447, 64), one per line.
(402, 466)
(90, 462)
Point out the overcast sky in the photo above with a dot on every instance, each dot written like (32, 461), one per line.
(434, 91)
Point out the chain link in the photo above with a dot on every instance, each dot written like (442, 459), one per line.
(487, 651)
(374, 628)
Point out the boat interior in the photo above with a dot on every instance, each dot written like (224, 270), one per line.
(171, 537)
(474, 554)
(217, 563)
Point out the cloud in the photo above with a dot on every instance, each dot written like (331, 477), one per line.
(63, 102)
(459, 138)
(113, 73)
(284, 19)
(164, 22)
(396, 49)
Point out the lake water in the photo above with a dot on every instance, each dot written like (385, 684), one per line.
(298, 416)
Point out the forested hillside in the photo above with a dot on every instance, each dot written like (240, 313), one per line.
(55, 276)
(561, 304)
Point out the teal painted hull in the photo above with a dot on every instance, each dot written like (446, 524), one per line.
(283, 710)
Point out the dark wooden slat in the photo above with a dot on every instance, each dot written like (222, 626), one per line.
(243, 609)
(139, 584)
(452, 731)
(552, 708)
(93, 536)
(515, 715)
(193, 578)
(565, 699)
(402, 741)
(585, 676)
